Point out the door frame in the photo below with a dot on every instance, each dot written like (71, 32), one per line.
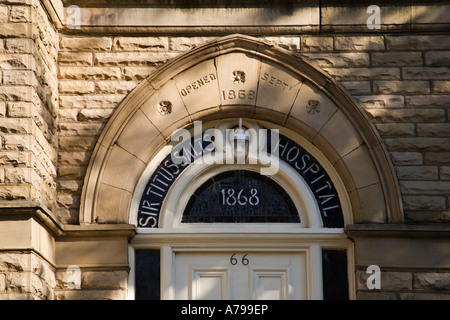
(312, 243)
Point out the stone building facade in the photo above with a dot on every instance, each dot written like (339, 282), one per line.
(91, 92)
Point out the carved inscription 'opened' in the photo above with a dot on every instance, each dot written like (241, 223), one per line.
(197, 84)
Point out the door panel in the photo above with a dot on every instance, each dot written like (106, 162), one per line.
(241, 275)
(208, 284)
(270, 284)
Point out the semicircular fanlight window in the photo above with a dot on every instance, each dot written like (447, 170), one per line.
(240, 196)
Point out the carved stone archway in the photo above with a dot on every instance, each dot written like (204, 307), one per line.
(240, 76)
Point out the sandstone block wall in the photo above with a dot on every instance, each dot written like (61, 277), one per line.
(28, 144)
(28, 103)
(25, 276)
(405, 285)
(94, 285)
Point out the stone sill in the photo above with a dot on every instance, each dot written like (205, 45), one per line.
(98, 230)
(25, 209)
(17, 210)
(254, 31)
(398, 230)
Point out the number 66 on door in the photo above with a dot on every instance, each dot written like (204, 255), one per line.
(234, 261)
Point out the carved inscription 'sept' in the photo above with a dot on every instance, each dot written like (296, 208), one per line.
(271, 80)
(197, 84)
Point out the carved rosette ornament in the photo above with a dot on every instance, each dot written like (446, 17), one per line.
(238, 77)
(165, 107)
(313, 107)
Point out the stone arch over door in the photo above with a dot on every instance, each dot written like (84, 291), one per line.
(240, 76)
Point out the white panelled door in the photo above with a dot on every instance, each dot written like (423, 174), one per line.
(241, 275)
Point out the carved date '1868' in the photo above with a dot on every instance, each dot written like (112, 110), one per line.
(238, 94)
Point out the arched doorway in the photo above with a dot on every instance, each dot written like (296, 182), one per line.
(231, 78)
(224, 230)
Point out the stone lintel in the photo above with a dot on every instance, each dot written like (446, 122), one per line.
(98, 230)
(250, 17)
(92, 249)
(401, 245)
